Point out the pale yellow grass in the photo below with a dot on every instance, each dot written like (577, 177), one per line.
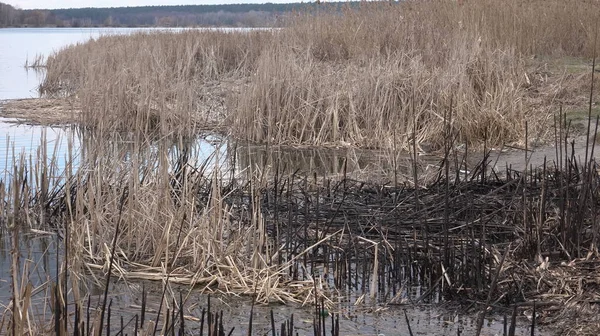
(367, 76)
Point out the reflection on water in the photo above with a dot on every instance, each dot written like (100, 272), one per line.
(375, 321)
(27, 139)
(332, 162)
(306, 160)
(37, 260)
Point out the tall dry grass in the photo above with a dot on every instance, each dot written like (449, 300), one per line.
(367, 76)
(150, 81)
(377, 74)
(172, 216)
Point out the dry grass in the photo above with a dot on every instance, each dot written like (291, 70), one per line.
(42, 111)
(293, 239)
(153, 81)
(176, 221)
(170, 210)
(367, 76)
(382, 101)
(380, 73)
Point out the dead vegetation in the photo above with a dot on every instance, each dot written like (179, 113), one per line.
(368, 77)
(152, 81)
(42, 111)
(153, 211)
(140, 205)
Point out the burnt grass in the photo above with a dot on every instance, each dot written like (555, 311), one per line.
(455, 229)
(477, 240)
(508, 241)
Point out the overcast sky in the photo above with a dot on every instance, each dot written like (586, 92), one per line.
(29, 4)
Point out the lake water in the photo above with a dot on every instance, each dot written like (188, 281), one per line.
(38, 251)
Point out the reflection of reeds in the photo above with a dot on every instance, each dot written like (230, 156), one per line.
(335, 162)
(38, 62)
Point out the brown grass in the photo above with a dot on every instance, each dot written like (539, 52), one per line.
(383, 71)
(153, 81)
(175, 221)
(366, 76)
(42, 111)
(171, 214)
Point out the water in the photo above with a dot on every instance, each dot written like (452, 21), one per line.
(354, 321)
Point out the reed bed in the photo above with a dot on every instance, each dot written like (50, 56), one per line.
(386, 73)
(372, 76)
(140, 203)
(151, 81)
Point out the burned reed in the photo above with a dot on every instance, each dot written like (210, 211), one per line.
(156, 211)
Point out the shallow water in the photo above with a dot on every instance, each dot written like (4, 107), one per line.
(17, 139)
(376, 321)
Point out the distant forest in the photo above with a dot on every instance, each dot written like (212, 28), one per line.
(240, 15)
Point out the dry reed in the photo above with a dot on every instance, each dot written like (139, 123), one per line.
(150, 81)
(366, 76)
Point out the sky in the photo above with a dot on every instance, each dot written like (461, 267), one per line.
(51, 4)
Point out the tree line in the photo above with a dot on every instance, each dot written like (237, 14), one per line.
(231, 15)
